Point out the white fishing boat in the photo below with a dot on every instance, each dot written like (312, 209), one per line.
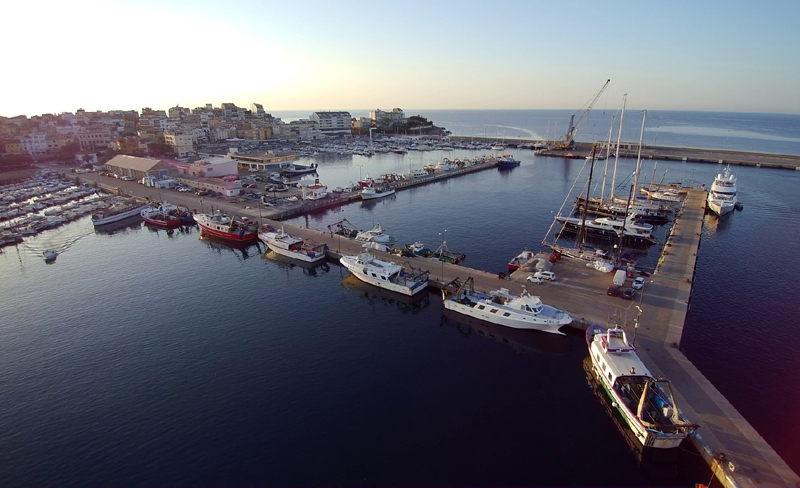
(501, 307)
(117, 211)
(415, 173)
(291, 246)
(646, 403)
(386, 274)
(372, 192)
(722, 194)
(375, 234)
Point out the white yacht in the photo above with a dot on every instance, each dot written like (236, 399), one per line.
(722, 195)
(646, 403)
(386, 274)
(292, 246)
(500, 307)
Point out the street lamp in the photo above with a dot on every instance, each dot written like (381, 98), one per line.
(441, 253)
(636, 324)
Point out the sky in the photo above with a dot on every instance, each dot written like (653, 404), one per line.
(730, 56)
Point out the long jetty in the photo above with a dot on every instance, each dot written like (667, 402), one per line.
(735, 452)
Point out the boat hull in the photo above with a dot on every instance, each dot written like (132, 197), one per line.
(363, 274)
(373, 196)
(721, 208)
(279, 247)
(544, 325)
(119, 216)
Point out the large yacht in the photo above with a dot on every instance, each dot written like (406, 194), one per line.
(722, 195)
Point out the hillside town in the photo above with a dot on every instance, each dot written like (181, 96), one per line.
(181, 133)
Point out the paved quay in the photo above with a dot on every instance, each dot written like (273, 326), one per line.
(736, 453)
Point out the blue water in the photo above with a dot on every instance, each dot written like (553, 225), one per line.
(140, 358)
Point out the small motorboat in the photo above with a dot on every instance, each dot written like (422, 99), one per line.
(49, 255)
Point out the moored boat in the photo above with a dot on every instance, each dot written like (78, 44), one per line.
(507, 161)
(292, 246)
(519, 260)
(372, 192)
(722, 194)
(116, 212)
(501, 307)
(226, 227)
(164, 215)
(386, 274)
(646, 403)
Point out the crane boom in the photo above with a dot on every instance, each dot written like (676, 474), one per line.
(568, 141)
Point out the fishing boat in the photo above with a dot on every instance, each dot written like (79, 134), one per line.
(386, 274)
(722, 194)
(501, 307)
(372, 192)
(646, 403)
(116, 212)
(293, 247)
(165, 215)
(507, 161)
(226, 227)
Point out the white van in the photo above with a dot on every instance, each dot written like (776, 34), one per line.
(619, 277)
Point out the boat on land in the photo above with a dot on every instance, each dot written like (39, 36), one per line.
(343, 228)
(519, 260)
(722, 194)
(226, 227)
(647, 404)
(293, 247)
(386, 274)
(376, 234)
(502, 308)
(372, 192)
(164, 215)
(116, 212)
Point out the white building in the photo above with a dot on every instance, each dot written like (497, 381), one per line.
(304, 130)
(379, 116)
(94, 138)
(332, 123)
(182, 143)
(34, 143)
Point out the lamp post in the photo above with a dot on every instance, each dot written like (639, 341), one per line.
(636, 324)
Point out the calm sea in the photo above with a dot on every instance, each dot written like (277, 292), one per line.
(146, 358)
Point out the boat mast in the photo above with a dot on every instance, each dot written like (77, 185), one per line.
(639, 154)
(582, 231)
(608, 153)
(616, 154)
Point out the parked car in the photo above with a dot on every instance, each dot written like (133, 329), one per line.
(184, 189)
(545, 275)
(629, 294)
(126, 178)
(638, 283)
(613, 291)
(203, 192)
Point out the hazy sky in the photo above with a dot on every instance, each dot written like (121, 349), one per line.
(673, 55)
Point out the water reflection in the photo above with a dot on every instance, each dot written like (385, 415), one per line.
(309, 269)
(378, 296)
(243, 250)
(126, 226)
(521, 340)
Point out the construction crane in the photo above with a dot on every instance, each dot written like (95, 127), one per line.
(568, 140)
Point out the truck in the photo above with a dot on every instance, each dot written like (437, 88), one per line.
(619, 277)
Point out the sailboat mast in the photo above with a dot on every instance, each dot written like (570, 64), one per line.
(608, 153)
(616, 155)
(586, 205)
(639, 154)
